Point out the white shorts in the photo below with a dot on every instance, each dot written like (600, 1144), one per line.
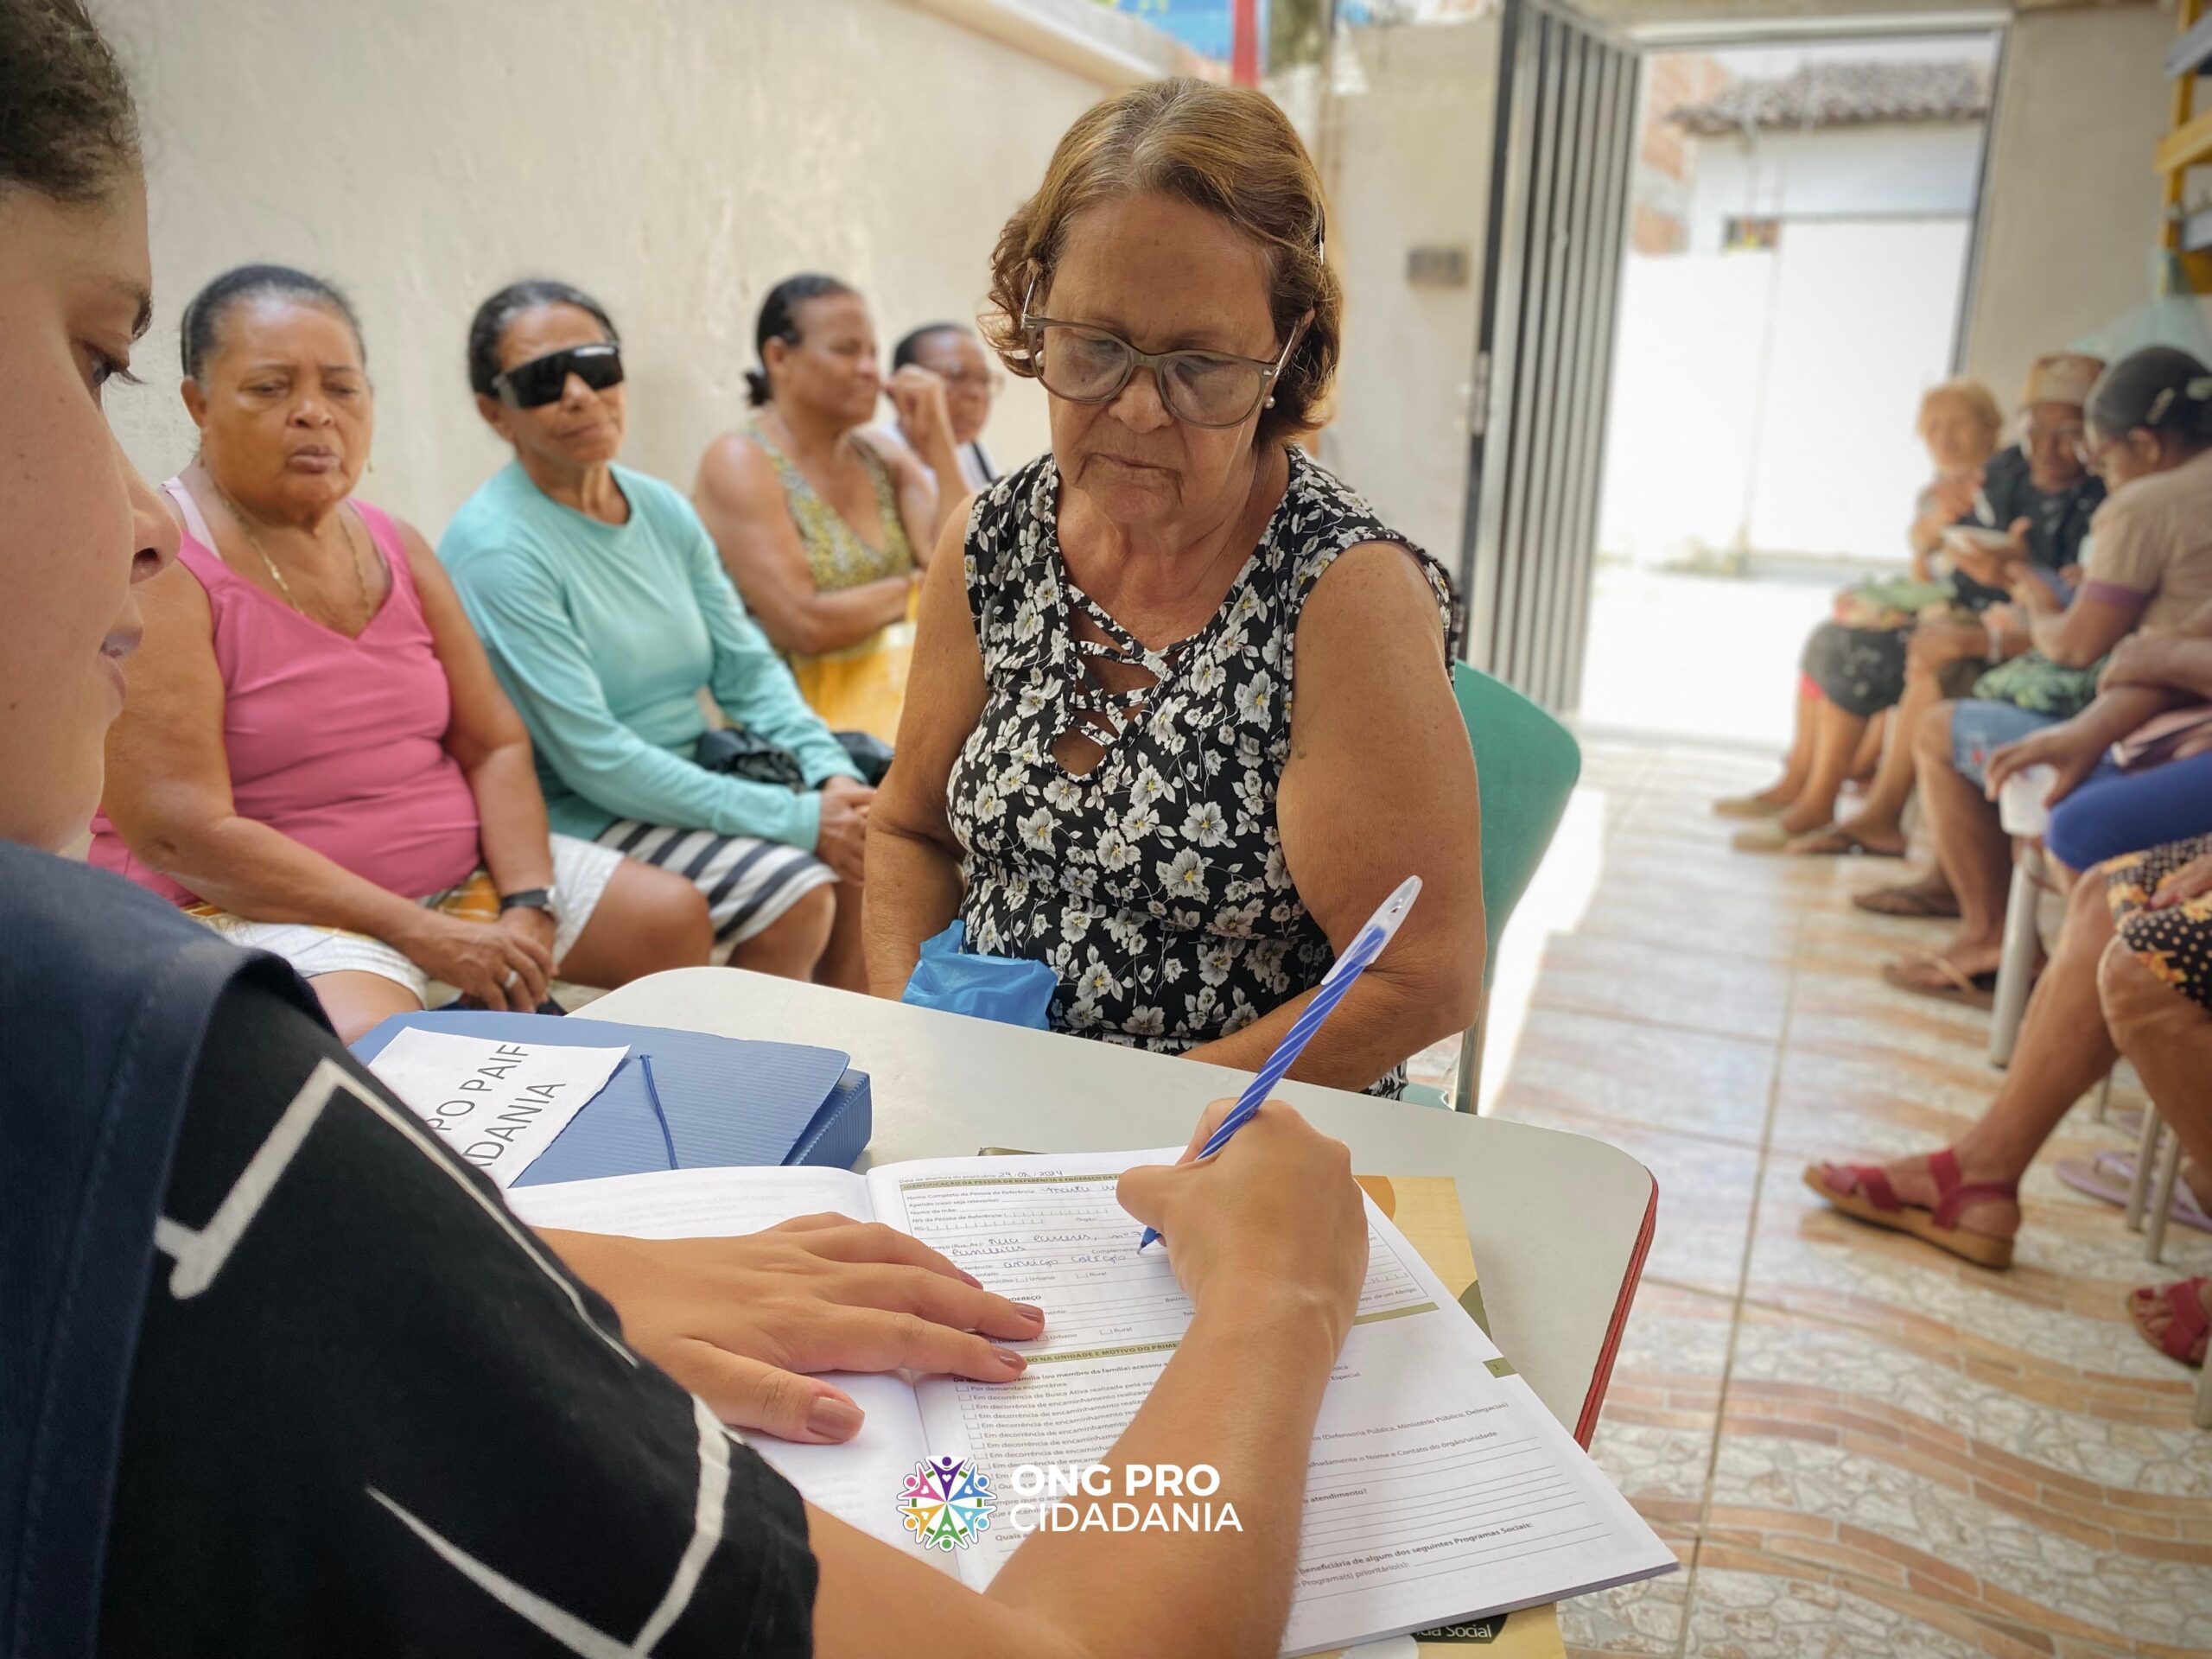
(748, 882)
(582, 870)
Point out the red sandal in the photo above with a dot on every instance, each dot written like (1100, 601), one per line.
(2189, 1323)
(1863, 1193)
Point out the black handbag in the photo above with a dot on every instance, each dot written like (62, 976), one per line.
(741, 755)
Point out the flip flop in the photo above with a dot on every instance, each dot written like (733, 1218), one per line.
(1909, 901)
(2110, 1174)
(1867, 1196)
(2187, 1325)
(1970, 990)
(1748, 806)
(1838, 840)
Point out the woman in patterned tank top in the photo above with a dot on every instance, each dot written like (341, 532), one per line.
(1181, 711)
(817, 520)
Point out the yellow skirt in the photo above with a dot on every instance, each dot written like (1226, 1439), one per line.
(862, 688)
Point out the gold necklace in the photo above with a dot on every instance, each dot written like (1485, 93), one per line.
(276, 574)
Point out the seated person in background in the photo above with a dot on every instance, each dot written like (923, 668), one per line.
(1100, 768)
(280, 1375)
(2155, 982)
(819, 522)
(598, 595)
(950, 354)
(316, 760)
(2150, 567)
(2099, 809)
(1959, 425)
(2133, 976)
(2042, 495)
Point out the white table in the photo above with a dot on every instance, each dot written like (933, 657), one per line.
(1560, 1223)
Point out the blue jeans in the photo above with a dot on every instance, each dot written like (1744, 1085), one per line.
(1980, 729)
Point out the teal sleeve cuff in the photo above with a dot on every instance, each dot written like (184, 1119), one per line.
(807, 821)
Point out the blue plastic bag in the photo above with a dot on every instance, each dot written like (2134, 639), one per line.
(1004, 989)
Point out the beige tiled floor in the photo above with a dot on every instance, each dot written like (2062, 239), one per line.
(1859, 1446)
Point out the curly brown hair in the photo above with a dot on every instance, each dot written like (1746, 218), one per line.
(1229, 150)
(67, 126)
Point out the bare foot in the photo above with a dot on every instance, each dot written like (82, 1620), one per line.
(2152, 1313)
(1882, 834)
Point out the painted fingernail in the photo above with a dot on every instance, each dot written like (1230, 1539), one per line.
(1012, 1359)
(833, 1419)
(971, 1279)
(1034, 1315)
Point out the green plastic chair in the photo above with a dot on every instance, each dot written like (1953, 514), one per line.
(1526, 764)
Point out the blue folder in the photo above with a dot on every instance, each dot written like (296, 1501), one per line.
(723, 1101)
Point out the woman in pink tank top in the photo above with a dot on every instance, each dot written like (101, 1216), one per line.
(315, 757)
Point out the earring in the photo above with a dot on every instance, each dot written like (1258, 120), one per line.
(1271, 402)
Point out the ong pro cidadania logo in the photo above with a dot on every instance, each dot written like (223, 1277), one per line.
(946, 1503)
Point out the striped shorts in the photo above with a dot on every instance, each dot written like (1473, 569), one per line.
(748, 883)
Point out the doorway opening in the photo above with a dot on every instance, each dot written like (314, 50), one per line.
(1801, 230)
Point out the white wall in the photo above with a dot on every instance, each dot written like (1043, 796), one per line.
(1409, 157)
(676, 157)
(1864, 316)
(1835, 172)
(2072, 205)
(1764, 402)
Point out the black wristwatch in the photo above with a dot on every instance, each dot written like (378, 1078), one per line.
(528, 899)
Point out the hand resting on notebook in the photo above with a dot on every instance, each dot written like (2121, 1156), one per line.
(740, 1321)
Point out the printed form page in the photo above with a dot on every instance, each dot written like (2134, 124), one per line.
(1437, 1489)
(859, 1482)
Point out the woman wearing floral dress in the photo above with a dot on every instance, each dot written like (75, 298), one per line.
(2156, 984)
(1181, 710)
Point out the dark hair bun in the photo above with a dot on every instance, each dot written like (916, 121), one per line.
(778, 319)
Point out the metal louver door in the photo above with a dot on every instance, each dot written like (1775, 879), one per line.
(1565, 143)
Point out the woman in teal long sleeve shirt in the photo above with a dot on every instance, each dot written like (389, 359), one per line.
(606, 613)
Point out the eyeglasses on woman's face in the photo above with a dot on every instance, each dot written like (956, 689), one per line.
(1085, 364)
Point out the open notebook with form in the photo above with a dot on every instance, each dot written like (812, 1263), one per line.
(1439, 1487)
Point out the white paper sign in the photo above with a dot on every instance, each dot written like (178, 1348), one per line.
(497, 1104)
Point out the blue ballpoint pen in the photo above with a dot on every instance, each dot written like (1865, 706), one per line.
(1366, 945)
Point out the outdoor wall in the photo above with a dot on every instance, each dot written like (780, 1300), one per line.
(1762, 402)
(675, 158)
(1410, 167)
(2071, 203)
(1835, 172)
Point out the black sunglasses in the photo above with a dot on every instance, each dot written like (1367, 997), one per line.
(541, 381)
